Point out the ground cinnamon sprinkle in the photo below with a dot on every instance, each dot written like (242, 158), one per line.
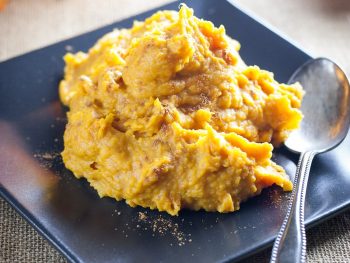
(162, 226)
(47, 159)
(142, 216)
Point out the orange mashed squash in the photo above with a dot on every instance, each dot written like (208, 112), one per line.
(166, 115)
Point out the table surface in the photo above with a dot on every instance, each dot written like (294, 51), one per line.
(321, 27)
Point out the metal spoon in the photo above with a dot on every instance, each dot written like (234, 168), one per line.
(326, 109)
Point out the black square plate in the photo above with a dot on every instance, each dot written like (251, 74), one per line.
(85, 228)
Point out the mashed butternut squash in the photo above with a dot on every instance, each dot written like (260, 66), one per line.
(166, 115)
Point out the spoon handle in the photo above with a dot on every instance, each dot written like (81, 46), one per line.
(290, 243)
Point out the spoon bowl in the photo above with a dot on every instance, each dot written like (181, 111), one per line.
(326, 109)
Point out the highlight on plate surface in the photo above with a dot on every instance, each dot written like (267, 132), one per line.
(167, 115)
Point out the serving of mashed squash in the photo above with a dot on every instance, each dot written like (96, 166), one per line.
(166, 115)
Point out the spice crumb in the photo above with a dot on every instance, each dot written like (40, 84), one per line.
(161, 226)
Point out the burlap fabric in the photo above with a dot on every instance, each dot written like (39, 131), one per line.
(321, 27)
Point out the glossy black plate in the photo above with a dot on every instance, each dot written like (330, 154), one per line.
(86, 228)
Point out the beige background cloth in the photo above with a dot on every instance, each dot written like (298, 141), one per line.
(321, 27)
